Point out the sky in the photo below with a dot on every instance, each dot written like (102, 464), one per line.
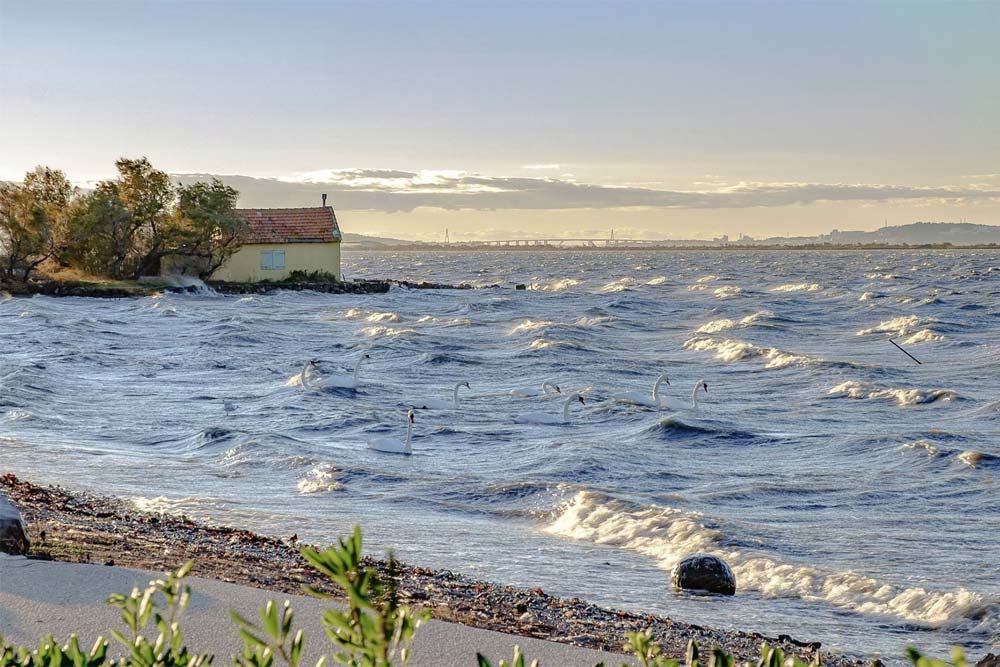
(523, 119)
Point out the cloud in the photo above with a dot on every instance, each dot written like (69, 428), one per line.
(391, 190)
(538, 167)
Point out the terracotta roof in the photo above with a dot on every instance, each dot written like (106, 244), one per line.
(290, 225)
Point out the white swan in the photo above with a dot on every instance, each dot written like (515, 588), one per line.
(548, 388)
(394, 445)
(342, 381)
(441, 404)
(701, 384)
(549, 418)
(639, 398)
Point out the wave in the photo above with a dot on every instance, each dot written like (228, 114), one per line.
(715, 326)
(737, 350)
(673, 427)
(530, 325)
(868, 296)
(544, 344)
(707, 279)
(914, 327)
(321, 479)
(379, 331)
(659, 280)
(557, 285)
(667, 535)
(371, 315)
(727, 292)
(592, 321)
(620, 285)
(798, 287)
(864, 390)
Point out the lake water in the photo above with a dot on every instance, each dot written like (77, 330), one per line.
(855, 493)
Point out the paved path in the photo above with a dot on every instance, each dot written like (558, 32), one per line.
(38, 598)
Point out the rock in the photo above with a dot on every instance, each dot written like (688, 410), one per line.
(702, 572)
(989, 660)
(13, 532)
(520, 286)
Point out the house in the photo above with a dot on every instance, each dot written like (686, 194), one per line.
(279, 241)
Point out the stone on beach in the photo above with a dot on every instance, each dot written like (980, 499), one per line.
(702, 572)
(13, 532)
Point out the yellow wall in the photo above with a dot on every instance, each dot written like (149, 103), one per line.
(244, 265)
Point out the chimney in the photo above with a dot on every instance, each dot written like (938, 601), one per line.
(324, 200)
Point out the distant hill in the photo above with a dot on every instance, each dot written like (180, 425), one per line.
(375, 241)
(916, 233)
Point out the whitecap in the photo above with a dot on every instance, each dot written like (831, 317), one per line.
(864, 390)
(737, 350)
(667, 534)
(728, 292)
(723, 324)
(798, 287)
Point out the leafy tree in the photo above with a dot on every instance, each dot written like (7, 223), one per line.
(33, 218)
(210, 230)
(125, 226)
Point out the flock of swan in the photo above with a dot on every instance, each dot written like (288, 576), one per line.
(310, 378)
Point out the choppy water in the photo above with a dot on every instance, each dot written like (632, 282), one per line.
(854, 492)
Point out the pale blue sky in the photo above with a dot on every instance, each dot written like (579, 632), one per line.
(659, 96)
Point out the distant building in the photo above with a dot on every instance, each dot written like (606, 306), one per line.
(282, 240)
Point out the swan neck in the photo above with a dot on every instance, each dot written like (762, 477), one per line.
(409, 432)
(656, 389)
(694, 396)
(457, 386)
(566, 406)
(357, 367)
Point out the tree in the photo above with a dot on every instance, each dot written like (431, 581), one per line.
(33, 219)
(211, 229)
(128, 225)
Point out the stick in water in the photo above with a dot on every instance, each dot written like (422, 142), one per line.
(905, 352)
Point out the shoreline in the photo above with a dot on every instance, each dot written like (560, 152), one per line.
(140, 289)
(82, 527)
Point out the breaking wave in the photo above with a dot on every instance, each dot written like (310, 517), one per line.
(798, 287)
(667, 535)
(867, 390)
(715, 326)
(737, 350)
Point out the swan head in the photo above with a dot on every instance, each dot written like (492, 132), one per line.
(409, 416)
(466, 385)
(701, 385)
(579, 398)
(663, 376)
(366, 356)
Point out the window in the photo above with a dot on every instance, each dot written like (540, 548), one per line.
(272, 260)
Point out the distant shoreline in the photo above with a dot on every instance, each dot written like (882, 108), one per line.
(454, 247)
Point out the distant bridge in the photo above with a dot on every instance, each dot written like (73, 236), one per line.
(559, 242)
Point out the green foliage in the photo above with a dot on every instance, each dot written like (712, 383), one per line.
(140, 607)
(128, 226)
(300, 276)
(209, 230)
(273, 638)
(50, 654)
(920, 660)
(516, 661)
(375, 627)
(33, 218)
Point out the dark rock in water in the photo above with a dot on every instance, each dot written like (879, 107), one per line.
(520, 286)
(13, 532)
(702, 572)
(989, 660)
